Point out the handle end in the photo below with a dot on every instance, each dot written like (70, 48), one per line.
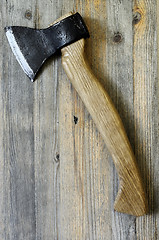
(131, 200)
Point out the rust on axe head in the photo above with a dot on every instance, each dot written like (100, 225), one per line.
(33, 46)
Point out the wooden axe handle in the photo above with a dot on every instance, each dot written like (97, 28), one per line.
(130, 198)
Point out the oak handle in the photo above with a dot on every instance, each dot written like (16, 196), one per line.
(131, 197)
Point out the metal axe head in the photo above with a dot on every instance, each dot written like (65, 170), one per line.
(33, 46)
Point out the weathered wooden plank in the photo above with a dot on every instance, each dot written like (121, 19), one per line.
(119, 66)
(2, 188)
(146, 110)
(156, 206)
(84, 175)
(46, 135)
(18, 137)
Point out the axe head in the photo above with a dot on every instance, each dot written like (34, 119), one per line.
(33, 46)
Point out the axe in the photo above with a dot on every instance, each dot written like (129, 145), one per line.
(32, 47)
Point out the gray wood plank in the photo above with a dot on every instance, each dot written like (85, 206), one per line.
(2, 222)
(119, 84)
(17, 143)
(46, 135)
(84, 169)
(146, 111)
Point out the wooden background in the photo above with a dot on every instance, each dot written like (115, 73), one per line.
(57, 179)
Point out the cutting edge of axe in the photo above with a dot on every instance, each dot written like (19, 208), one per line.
(32, 47)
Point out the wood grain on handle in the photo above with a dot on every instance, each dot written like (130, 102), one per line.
(130, 198)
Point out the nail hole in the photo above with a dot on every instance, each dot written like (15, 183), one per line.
(136, 17)
(57, 158)
(28, 14)
(117, 37)
(75, 119)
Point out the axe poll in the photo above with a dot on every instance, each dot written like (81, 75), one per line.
(32, 47)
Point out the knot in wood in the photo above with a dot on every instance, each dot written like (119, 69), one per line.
(75, 119)
(117, 37)
(28, 14)
(136, 17)
(57, 158)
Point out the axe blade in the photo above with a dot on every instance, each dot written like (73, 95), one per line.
(25, 49)
(32, 47)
